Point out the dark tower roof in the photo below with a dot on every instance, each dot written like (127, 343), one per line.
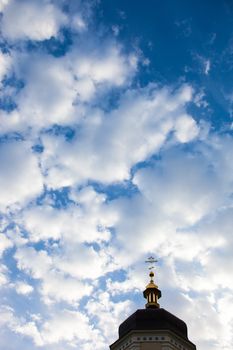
(153, 319)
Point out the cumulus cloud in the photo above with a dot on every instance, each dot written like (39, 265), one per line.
(55, 285)
(23, 288)
(96, 69)
(88, 220)
(55, 90)
(3, 3)
(5, 65)
(17, 325)
(173, 187)
(3, 276)
(10, 122)
(108, 313)
(5, 243)
(134, 131)
(186, 128)
(49, 92)
(20, 177)
(109, 66)
(174, 204)
(71, 326)
(34, 20)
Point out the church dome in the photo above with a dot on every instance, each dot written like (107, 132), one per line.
(153, 319)
(155, 322)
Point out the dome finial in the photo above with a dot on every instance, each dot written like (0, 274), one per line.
(152, 293)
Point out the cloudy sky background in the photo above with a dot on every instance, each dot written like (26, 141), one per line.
(115, 144)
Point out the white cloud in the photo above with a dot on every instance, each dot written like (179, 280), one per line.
(20, 177)
(78, 23)
(28, 329)
(5, 243)
(35, 263)
(5, 64)
(109, 314)
(178, 196)
(3, 4)
(3, 276)
(107, 66)
(201, 317)
(85, 88)
(56, 88)
(200, 99)
(49, 92)
(55, 285)
(9, 121)
(18, 325)
(97, 68)
(186, 128)
(86, 221)
(23, 288)
(71, 326)
(129, 134)
(6, 315)
(225, 315)
(207, 67)
(170, 184)
(34, 20)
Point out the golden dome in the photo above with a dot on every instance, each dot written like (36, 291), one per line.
(152, 293)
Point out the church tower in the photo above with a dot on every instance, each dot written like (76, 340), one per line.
(153, 328)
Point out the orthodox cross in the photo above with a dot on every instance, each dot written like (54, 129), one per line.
(151, 261)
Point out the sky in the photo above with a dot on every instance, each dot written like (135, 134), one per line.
(116, 122)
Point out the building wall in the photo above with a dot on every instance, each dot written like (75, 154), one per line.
(152, 340)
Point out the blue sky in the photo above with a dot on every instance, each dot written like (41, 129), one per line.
(115, 144)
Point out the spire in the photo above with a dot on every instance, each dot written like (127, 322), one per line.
(152, 293)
